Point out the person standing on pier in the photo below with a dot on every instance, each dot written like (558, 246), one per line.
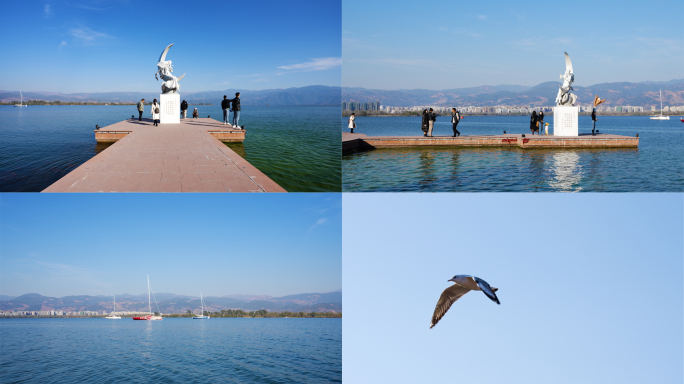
(141, 108)
(540, 120)
(236, 110)
(351, 124)
(155, 112)
(533, 122)
(225, 105)
(431, 124)
(455, 118)
(184, 109)
(593, 120)
(425, 123)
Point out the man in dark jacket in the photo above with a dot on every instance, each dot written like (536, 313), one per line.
(141, 106)
(184, 108)
(236, 109)
(431, 123)
(593, 119)
(455, 118)
(225, 105)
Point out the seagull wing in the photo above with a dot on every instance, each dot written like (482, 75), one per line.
(489, 291)
(568, 63)
(449, 296)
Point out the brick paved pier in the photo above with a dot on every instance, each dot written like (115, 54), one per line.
(185, 157)
(359, 142)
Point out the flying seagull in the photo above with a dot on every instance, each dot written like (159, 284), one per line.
(462, 285)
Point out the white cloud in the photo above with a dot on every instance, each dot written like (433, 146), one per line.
(48, 10)
(318, 223)
(319, 64)
(87, 36)
(482, 17)
(62, 44)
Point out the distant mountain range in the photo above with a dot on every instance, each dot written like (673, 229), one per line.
(172, 303)
(311, 95)
(638, 94)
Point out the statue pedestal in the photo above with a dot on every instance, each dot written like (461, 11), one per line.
(169, 108)
(565, 121)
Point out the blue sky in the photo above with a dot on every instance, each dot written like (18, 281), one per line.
(590, 288)
(107, 45)
(268, 244)
(444, 44)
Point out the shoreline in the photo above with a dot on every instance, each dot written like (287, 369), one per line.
(517, 114)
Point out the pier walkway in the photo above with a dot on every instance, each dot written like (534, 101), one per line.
(185, 157)
(352, 142)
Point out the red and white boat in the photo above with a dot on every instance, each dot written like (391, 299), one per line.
(149, 301)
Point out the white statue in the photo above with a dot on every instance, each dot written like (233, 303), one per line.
(565, 98)
(170, 84)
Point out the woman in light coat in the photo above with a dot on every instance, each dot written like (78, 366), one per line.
(155, 112)
(352, 124)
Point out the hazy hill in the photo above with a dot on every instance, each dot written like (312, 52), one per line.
(172, 303)
(544, 94)
(311, 95)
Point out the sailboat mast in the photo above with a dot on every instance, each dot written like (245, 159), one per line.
(661, 102)
(149, 299)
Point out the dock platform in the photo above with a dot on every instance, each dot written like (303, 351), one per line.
(354, 142)
(185, 157)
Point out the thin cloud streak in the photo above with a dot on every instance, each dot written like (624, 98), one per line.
(87, 36)
(319, 64)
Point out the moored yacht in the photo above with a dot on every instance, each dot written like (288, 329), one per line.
(201, 316)
(151, 316)
(112, 315)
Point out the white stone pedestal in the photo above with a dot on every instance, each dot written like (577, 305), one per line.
(565, 121)
(169, 108)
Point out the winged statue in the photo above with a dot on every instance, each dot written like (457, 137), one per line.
(565, 97)
(164, 69)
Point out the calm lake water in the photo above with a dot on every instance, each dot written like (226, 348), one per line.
(296, 146)
(171, 351)
(656, 166)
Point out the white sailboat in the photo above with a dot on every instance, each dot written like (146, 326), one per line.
(112, 315)
(151, 316)
(201, 316)
(21, 101)
(661, 117)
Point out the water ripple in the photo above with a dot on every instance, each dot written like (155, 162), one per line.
(171, 351)
(296, 146)
(656, 166)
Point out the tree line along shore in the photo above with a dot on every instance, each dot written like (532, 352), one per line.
(231, 313)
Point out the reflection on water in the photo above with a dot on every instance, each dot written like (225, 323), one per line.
(567, 172)
(656, 166)
(99, 147)
(426, 169)
(238, 148)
